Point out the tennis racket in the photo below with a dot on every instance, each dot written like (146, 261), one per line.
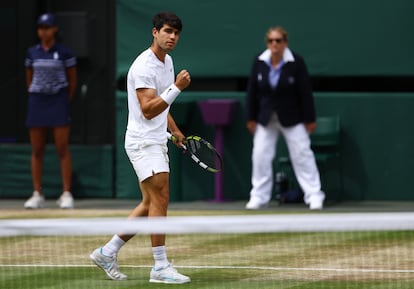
(202, 152)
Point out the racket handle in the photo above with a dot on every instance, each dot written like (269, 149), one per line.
(173, 138)
(170, 136)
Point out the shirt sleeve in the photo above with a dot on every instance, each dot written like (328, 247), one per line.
(69, 58)
(144, 79)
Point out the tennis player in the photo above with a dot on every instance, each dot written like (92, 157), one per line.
(51, 81)
(151, 91)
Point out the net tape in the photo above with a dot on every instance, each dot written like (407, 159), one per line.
(390, 221)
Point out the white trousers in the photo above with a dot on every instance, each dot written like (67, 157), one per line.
(303, 160)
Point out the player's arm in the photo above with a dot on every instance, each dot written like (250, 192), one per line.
(152, 105)
(29, 76)
(175, 131)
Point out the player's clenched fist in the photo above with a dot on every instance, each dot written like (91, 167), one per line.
(183, 79)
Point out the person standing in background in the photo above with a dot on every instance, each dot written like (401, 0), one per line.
(51, 79)
(280, 100)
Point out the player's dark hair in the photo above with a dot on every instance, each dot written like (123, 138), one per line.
(168, 18)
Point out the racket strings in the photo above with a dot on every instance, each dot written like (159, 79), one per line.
(193, 145)
(205, 153)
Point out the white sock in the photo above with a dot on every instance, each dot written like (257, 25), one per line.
(160, 257)
(66, 193)
(113, 246)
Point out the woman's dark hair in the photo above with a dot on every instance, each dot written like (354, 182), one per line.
(167, 18)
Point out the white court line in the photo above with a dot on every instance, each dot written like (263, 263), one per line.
(264, 268)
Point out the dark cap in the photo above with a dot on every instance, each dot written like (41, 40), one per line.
(47, 19)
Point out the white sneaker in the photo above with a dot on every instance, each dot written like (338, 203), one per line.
(316, 204)
(253, 205)
(66, 201)
(36, 201)
(107, 263)
(168, 275)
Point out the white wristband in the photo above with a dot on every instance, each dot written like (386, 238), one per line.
(170, 94)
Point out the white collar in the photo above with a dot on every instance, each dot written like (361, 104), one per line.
(287, 55)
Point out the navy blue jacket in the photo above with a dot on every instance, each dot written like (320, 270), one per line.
(292, 99)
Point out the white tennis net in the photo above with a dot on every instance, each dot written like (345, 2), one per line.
(327, 250)
(213, 224)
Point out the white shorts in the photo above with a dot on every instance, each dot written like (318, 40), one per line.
(149, 160)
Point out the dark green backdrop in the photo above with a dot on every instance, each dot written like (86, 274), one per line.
(93, 171)
(220, 38)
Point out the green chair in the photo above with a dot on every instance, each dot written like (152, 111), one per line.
(325, 143)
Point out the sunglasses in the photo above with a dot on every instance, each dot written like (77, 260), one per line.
(277, 40)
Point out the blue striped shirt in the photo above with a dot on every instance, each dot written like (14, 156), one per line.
(274, 73)
(49, 68)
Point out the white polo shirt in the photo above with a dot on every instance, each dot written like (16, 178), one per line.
(147, 71)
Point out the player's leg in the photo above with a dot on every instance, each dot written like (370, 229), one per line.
(61, 137)
(141, 210)
(263, 153)
(157, 187)
(304, 164)
(154, 204)
(38, 142)
(143, 161)
(105, 257)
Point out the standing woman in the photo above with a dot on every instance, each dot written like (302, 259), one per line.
(280, 102)
(51, 83)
